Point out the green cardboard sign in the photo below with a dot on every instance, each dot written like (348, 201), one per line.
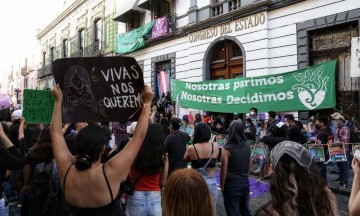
(305, 89)
(259, 151)
(38, 106)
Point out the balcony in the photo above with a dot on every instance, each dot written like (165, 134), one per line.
(26, 70)
(157, 31)
(47, 70)
(92, 50)
(78, 53)
(11, 77)
(40, 73)
(225, 6)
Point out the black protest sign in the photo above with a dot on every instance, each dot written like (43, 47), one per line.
(38, 106)
(97, 89)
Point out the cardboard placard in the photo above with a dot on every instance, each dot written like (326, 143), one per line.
(337, 152)
(38, 106)
(221, 140)
(355, 148)
(97, 89)
(317, 152)
(259, 151)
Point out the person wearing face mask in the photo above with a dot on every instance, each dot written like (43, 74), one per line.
(324, 137)
(250, 130)
(256, 121)
(342, 135)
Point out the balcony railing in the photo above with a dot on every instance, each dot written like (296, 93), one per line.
(40, 72)
(48, 70)
(92, 50)
(225, 7)
(78, 53)
(11, 77)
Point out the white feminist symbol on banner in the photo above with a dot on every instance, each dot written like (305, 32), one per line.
(312, 89)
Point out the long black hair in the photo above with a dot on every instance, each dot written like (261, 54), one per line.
(42, 149)
(151, 157)
(297, 191)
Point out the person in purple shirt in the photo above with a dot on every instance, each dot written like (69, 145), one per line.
(342, 135)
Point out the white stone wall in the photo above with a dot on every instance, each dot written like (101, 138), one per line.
(269, 48)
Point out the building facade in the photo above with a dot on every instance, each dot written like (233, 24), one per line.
(213, 39)
(84, 29)
(22, 77)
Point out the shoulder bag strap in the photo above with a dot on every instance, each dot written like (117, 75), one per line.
(212, 151)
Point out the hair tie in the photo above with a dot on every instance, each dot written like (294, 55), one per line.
(83, 162)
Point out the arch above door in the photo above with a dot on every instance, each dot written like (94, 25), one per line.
(230, 62)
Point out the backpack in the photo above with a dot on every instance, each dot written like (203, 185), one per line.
(41, 174)
(55, 204)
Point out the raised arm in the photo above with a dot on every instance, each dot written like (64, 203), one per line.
(354, 201)
(21, 128)
(62, 154)
(120, 164)
(10, 157)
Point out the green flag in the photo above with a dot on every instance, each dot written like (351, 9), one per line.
(133, 40)
(305, 89)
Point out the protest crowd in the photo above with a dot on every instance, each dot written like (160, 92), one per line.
(165, 165)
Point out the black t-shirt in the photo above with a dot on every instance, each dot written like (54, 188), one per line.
(175, 146)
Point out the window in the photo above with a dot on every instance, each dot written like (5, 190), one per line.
(65, 47)
(97, 32)
(51, 55)
(226, 61)
(44, 59)
(136, 19)
(32, 83)
(159, 9)
(81, 39)
(26, 82)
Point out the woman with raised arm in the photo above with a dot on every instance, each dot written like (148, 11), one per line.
(90, 187)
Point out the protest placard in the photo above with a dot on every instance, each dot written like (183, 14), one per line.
(259, 151)
(317, 152)
(355, 148)
(38, 106)
(99, 89)
(221, 140)
(337, 152)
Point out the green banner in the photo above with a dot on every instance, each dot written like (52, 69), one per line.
(133, 40)
(306, 89)
(38, 106)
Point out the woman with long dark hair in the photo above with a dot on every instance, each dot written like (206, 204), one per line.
(165, 124)
(203, 155)
(91, 187)
(235, 169)
(36, 179)
(296, 186)
(149, 170)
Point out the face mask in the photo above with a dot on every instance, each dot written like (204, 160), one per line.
(252, 113)
(337, 123)
(247, 125)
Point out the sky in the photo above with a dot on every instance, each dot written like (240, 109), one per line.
(21, 19)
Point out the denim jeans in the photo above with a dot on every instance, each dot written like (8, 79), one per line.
(144, 203)
(322, 169)
(212, 184)
(4, 209)
(236, 199)
(344, 169)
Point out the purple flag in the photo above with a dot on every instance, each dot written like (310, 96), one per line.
(161, 27)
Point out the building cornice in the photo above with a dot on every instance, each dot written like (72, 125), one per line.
(61, 17)
(257, 7)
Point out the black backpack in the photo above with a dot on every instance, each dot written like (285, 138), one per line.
(41, 174)
(354, 138)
